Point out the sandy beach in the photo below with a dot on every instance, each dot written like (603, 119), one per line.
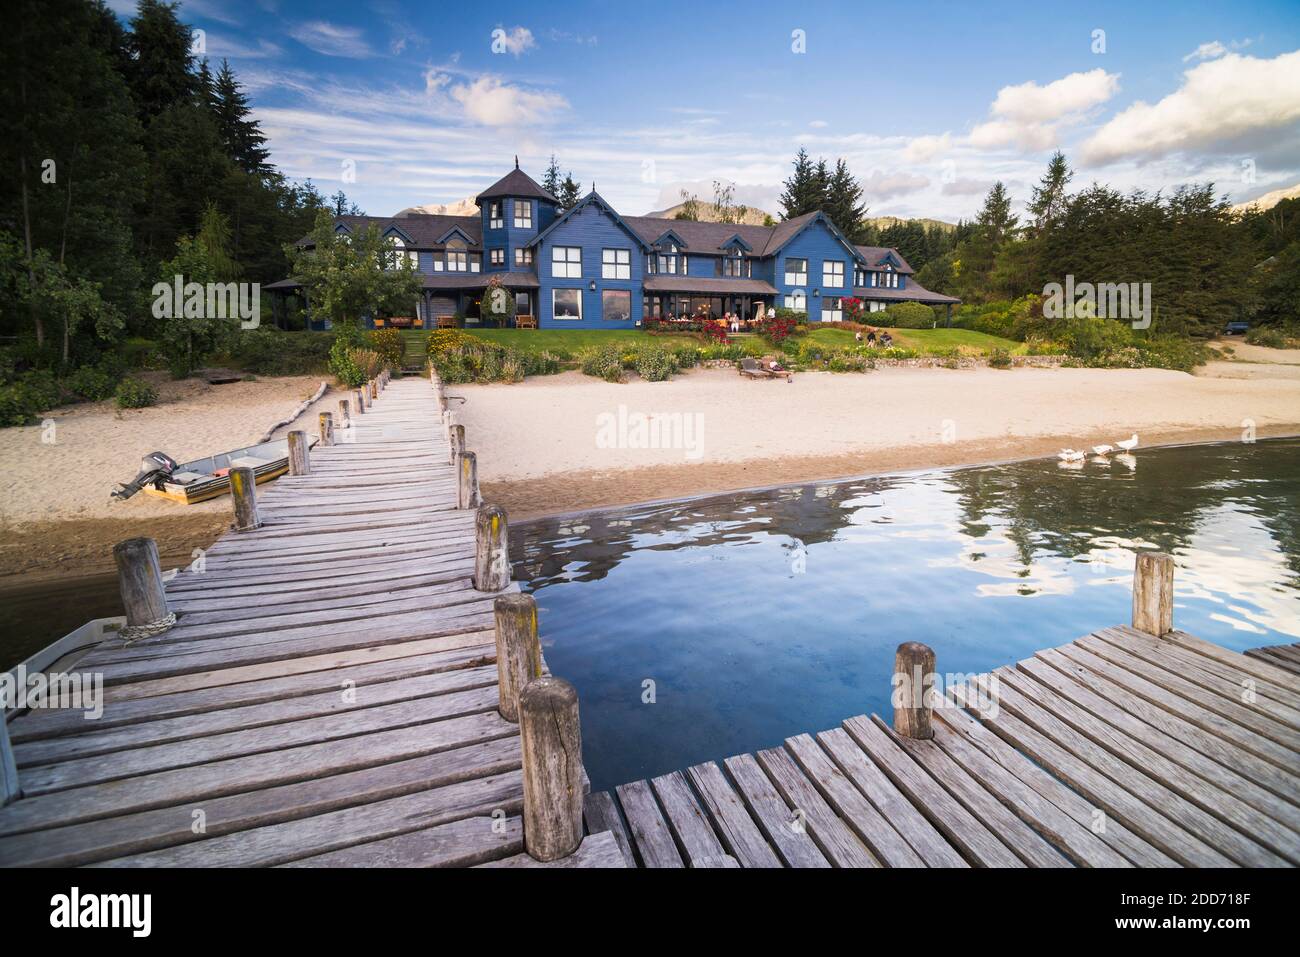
(55, 504)
(544, 446)
(563, 443)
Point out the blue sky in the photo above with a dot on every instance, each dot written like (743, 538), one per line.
(403, 104)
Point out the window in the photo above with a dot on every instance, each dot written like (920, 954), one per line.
(475, 263)
(523, 214)
(735, 265)
(494, 216)
(456, 261)
(668, 260)
(616, 305)
(399, 252)
(833, 273)
(832, 309)
(523, 304)
(797, 301)
(437, 264)
(566, 262)
(616, 264)
(498, 257)
(523, 256)
(566, 303)
(796, 272)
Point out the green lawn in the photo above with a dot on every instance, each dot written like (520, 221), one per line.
(925, 340)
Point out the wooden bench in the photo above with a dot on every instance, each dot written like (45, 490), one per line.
(525, 322)
(446, 322)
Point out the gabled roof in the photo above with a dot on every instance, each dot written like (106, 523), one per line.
(421, 230)
(913, 293)
(591, 199)
(671, 236)
(452, 230)
(738, 240)
(785, 232)
(394, 228)
(876, 256)
(699, 238)
(515, 183)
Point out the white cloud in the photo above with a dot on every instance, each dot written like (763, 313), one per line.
(223, 46)
(967, 187)
(331, 39)
(492, 102)
(1228, 103)
(1027, 115)
(1215, 49)
(818, 124)
(922, 148)
(880, 185)
(514, 41)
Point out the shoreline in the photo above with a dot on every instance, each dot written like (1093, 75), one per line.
(512, 495)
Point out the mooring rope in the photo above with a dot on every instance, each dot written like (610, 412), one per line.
(130, 633)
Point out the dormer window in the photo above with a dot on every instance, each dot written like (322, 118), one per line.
(523, 214)
(735, 265)
(393, 259)
(457, 260)
(668, 260)
(495, 220)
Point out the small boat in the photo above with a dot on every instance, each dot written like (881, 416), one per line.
(203, 479)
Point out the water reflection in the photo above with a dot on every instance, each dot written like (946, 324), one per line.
(761, 615)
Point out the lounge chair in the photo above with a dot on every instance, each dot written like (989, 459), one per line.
(750, 369)
(766, 366)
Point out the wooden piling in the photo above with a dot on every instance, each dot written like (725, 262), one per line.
(519, 653)
(913, 675)
(243, 493)
(374, 391)
(456, 439)
(467, 480)
(1153, 593)
(139, 579)
(8, 767)
(360, 396)
(551, 742)
(326, 429)
(446, 424)
(299, 454)
(491, 554)
(345, 414)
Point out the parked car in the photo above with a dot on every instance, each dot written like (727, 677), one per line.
(1238, 328)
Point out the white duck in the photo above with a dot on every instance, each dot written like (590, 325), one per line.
(1129, 444)
(1070, 455)
(1102, 449)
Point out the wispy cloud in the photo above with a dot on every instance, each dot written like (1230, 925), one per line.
(1215, 49)
(331, 39)
(515, 41)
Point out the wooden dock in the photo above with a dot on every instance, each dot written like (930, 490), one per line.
(1119, 749)
(328, 696)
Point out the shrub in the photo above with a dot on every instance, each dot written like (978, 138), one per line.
(24, 399)
(777, 330)
(442, 341)
(654, 365)
(906, 315)
(390, 344)
(270, 351)
(475, 360)
(848, 360)
(1268, 336)
(603, 362)
(540, 363)
(367, 362)
(92, 383)
(999, 359)
(135, 394)
(347, 339)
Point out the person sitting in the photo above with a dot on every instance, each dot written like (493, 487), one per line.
(886, 340)
(857, 336)
(871, 338)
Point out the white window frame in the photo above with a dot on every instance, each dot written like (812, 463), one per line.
(615, 263)
(555, 315)
(832, 274)
(564, 263)
(496, 220)
(526, 207)
(457, 260)
(835, 314)
(796, 278)
(797, 300)
(497, 256)
(523, 256)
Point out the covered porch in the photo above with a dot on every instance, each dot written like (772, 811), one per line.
(696, 298)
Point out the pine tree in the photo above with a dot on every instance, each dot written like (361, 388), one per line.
(995, 219)
(803, 192)
(340, 205)
(1048, 200)
(243, 137)
(570, 192)
(162, 64)
(551, 181)
(844, 202)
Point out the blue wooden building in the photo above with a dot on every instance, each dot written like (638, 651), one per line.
(589, 267)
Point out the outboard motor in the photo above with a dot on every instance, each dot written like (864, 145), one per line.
(154, 467)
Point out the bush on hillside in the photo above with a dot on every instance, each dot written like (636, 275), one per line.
(135, 394)
(271, 351)
(603, 362)
(391, 346)
(906, 315)
(24, 399)
(92, 383)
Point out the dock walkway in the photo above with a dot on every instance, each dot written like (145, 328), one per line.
(1119, 749)
(328, 697)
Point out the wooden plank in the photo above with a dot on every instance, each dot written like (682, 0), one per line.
(601, 814)
(835, 839)
(928, 843)
(1272, 657)
(596, 850)
(786, 831)
(689, 823)
(462, 843)
(1259, 669)
(650, 835)
(731, 822)
(1023, 840)
(956, 823)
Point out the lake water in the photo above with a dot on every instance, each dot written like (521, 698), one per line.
(760, 615)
